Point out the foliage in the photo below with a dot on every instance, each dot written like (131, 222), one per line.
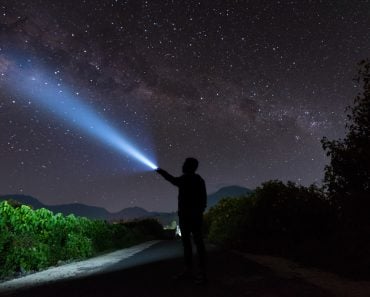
(291, 211)
(347, 180)
(34, 239)
(147, 228)
(347, 177)
(276, 214)
(225, 221)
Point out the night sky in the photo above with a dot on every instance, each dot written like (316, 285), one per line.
(247, 87)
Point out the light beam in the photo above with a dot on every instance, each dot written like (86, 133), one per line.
(67, 106)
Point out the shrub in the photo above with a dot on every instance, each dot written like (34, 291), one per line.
(146, 228)
(77, 246)
(291, 212)
(102, 235)
(274, 212)
(32, 240)
(226, 221)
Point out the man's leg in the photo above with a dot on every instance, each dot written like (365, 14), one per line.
(199, 243)
(186, 243)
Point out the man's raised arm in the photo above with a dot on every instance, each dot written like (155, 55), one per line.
(173, 180)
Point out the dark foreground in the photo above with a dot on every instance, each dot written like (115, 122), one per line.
(229, 275)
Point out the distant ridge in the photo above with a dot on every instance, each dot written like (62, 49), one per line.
(83, 210)
(77, 209)
(24, 199)
(229, 191)
(130, 213)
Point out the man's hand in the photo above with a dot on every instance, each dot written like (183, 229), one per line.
(160, 171)
(173, 180)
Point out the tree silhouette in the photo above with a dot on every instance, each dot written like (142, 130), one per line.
(347, 177)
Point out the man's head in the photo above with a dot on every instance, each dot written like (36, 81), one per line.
(190, 166)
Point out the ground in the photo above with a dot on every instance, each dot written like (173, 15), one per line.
(150, 273)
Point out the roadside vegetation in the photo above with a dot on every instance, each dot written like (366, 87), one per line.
(31, 240)
(327, 227)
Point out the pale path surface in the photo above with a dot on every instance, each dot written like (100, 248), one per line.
(150, 273)
(338, 286)
(73, 270)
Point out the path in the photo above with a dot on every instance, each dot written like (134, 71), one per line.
(149, 272)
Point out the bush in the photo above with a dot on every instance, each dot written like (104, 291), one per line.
(26, 255)
(225, 222)
(146, 229)
(102, 235)
(35, 239)
(290, 212)
(77, 246)
(275, 217)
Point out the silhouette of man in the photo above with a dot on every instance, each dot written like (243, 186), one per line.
(192, 201)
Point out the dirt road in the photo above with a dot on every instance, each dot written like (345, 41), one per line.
(150, 272)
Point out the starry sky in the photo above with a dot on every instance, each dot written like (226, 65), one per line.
(247, 87)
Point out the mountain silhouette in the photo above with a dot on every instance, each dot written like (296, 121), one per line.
(130, 213)
(24, 199)
(225, 192)
(83, 210)
(77, 209)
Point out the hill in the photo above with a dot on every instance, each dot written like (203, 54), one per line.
(94, 212)
(230, 191)
(24, 199)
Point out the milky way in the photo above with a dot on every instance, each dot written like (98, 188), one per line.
(247, 87)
